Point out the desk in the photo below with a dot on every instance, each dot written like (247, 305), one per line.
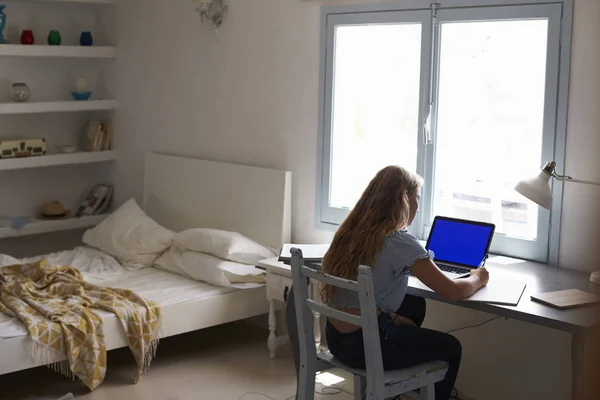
(540, 278)
(579, 322)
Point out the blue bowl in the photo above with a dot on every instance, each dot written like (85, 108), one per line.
(81, 95)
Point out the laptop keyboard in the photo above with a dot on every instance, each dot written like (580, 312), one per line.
(452, 269)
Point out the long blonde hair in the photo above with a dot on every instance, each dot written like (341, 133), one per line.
(382, 209)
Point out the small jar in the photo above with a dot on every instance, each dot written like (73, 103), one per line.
(20, 92)
(27, 37)
(54, 38)
(86, 38)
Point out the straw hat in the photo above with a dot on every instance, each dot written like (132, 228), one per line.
(55, 210)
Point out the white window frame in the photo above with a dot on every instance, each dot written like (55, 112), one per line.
(560, 14)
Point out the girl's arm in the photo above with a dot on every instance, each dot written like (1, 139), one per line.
(451, 289)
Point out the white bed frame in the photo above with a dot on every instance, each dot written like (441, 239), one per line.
(182, 193)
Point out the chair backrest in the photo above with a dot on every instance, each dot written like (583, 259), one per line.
(301, 275)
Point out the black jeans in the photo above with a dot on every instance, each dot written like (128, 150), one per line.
(402, 346)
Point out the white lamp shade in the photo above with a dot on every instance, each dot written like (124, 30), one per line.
(537, 189)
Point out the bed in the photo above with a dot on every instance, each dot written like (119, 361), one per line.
(182, 193)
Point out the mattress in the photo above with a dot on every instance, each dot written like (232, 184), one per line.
(96, 267)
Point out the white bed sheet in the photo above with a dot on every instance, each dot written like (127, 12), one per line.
(96, 267)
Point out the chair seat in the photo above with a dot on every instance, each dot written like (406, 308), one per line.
(393, 376)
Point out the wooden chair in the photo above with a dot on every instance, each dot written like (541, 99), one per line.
(380, 384)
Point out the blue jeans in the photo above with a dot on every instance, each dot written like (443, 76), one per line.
(402, 346)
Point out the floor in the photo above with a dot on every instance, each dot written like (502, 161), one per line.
(229, 362)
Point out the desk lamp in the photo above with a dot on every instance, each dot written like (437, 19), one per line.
(537, 189)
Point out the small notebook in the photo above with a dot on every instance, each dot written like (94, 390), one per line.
(566, 299)
(312, 253)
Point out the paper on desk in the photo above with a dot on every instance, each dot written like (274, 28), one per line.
(502, 292)
(497, 291)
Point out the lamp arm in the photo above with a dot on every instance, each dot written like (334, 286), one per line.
(565, 178)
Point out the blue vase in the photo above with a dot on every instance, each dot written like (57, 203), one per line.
(2, 23)
(86, 39)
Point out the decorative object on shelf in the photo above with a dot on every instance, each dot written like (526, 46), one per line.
(214, 11)
(97, 136)
(14, 222)
(81, 91)
(22, 147)
(54, 210)
(96, 201)
(27, 37)
(2, 23)
(86, 38)
(54, 38)
(81, 96)
(20, 92)
(67, 148)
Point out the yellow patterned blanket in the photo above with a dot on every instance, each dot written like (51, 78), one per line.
(56, 305)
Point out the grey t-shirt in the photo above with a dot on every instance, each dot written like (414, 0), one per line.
(400, 251)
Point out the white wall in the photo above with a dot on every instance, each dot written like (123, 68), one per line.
(249, 96)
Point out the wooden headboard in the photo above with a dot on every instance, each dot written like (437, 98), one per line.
(182, 193)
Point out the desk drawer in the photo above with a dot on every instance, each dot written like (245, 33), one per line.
(278, 287)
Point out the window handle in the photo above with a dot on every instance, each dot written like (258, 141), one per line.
(427, 126)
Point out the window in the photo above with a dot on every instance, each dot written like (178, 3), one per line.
(470, 97)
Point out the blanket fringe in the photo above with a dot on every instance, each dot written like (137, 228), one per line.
(150, 352)
(44, 354)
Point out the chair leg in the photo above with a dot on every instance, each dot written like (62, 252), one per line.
(359, 388)
(428, 392)
(306, 384)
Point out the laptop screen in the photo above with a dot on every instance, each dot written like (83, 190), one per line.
(459, 241)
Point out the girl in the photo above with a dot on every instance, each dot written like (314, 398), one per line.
(374, 234)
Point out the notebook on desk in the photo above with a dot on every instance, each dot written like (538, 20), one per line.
(566, 299)
(501, 292)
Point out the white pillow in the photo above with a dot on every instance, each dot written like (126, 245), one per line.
(130, 236)
(230, 246)
(210, 269)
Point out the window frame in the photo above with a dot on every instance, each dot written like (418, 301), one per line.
(328, 220)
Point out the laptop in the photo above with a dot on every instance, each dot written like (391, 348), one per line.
(459, 245)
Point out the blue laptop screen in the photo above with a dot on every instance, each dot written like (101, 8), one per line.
(459, 242)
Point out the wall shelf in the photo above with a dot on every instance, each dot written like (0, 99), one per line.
(51, 160)
(38, 226)
(19, 50)
(57, 106)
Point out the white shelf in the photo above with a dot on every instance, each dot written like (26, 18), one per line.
(19, 50)
(38, 226)
(51, 160)
(57, 106)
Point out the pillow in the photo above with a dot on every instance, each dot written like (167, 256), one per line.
(210, 269)
(130, 236)
(230, 246)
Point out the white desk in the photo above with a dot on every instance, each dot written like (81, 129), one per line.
(279, 283)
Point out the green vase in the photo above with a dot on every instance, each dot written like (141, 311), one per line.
(54, 38)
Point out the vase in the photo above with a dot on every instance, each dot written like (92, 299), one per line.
(19, 92)
(2, 23)
(86, 38)
(54, 38)
(27, 37)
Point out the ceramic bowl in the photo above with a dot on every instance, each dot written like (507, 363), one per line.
(69, 148)
(81, 95)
